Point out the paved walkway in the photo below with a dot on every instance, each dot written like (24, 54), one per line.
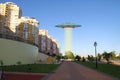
(74, 71)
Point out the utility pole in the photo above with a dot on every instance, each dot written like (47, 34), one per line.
(96, 62)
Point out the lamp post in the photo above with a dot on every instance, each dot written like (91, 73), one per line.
(95, 45)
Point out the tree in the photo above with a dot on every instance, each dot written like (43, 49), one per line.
(19, 62)
(65, 57)
(107, 56)
(59, 56)
(118, 57)
(112, 54)
(90, 58)
(77, 57)
(1, 63)
(69, 54)
(83, 59)
(53, 55)
(99, 57)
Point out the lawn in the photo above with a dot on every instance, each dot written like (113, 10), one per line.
(110, 69)
(34, 68)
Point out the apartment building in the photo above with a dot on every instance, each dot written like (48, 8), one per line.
(9, 15)
(47, 44)
(14, 26)
(42, 41)
(27, 30)
(55, 47)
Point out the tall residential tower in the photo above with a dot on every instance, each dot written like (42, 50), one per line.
(14, 26)
(9, 15)
(47, 44)
(27, 30)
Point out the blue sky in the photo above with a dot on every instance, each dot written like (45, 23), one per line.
(99, 20)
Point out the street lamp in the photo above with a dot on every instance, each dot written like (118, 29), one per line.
(95, 45)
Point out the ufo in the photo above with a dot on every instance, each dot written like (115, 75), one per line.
(68, 25)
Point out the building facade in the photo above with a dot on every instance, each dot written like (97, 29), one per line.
(50, 45)
(27, 30)
(9, 15)
(15, 29)
(14, 26)
(56, 47)
(42, 41)
(47, 44)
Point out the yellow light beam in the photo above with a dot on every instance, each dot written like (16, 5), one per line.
(68, 39)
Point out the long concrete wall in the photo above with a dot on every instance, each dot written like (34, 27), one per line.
(42, 57)
(13, 51)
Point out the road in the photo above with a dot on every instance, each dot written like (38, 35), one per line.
(75, 71)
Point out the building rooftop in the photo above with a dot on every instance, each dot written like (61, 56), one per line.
(68, 25)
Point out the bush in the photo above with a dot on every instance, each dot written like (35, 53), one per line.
(19, 62)
(83, 59)
(1, 63)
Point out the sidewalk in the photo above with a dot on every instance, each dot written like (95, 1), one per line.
(74, 71)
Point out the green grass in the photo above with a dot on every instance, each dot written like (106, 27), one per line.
(34, 68)
(110, 69)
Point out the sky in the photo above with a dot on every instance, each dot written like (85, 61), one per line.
(100, 20)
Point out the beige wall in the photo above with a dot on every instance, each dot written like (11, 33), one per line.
(42, 57)
(13, 51)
